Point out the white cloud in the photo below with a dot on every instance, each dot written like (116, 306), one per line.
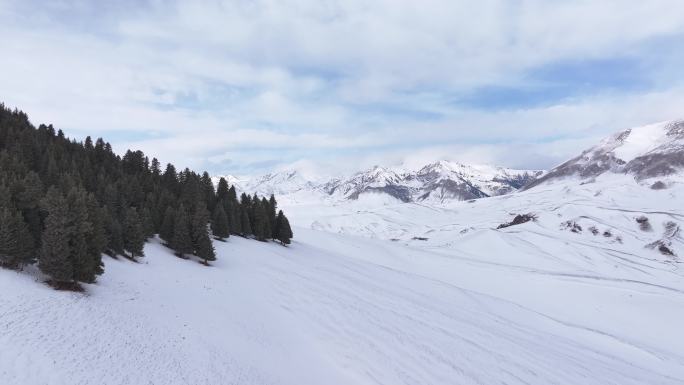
(191, 82)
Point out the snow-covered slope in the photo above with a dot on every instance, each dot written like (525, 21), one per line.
(590, 291)
(646, 152)
(534, 303)
(437, 183)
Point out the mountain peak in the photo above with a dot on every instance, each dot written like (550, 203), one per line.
(649, 151)
(440, 181)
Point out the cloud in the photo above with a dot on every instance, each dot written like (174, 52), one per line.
(235, 86)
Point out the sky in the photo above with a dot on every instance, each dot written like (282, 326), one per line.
(247, 87)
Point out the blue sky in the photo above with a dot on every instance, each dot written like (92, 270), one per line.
(245, 87)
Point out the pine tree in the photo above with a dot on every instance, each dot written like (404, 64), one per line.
(228, 210)
(260, 225)
(283, 230)
(219, 223)
(97, 239)
(245, 226)
(84, 265)
(166, 231)
(116, 241)
(29, 204)
(233, 212)
(269, 222)
(26, 251)
(133, 235)
(222, 190)
(205, 249)
(208, 191)
(201, 242)
(16, 243)
(146, 222)
(199, 225)
(54, 258)
(232, 195)
(5, 196)
(272, 207)
(155, 167)
(91, 191)
(8, 239)
(182, 240)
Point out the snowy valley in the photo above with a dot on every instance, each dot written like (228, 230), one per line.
(395, 278)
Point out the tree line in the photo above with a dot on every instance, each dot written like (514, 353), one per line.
(63, 204)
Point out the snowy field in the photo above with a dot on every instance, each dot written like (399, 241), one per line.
(530, 304)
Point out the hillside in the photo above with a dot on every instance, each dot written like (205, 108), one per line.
(573, 281)
(646, 152)
(528, 304)
(64, 203)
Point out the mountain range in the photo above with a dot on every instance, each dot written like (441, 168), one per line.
(644, 153)
(437, 182)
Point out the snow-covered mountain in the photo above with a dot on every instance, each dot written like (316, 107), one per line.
(589, 292)
(646, 152)
(564, 283)
(231, 179)
(437, 182)
(625, 171)
(281, 183)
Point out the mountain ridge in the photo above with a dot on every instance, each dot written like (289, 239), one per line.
(645, 152)
(436, 182)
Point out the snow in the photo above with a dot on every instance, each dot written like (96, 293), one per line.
(232, 180)
(420, 182)
(641, 140)
(529, 304)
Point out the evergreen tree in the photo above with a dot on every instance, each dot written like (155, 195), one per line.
(93, 197)
(260, 226)
(97, 238)
(147, 224)
(199, 225)
(8, 239)
(269, 222)
(233, 211)
(133, 235)
(16, 243)
(155, 168)
(228, 210)
(222, 190)
(166, 232)
(209, 194)
(205, 249)
(181, 241)
(116, 241)
(245, 225)
(81, 229)
(170, 178)
(283, 230)
(54, 258)
(28, 202)
(219, 223)
(272, 207)
(232, 195)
